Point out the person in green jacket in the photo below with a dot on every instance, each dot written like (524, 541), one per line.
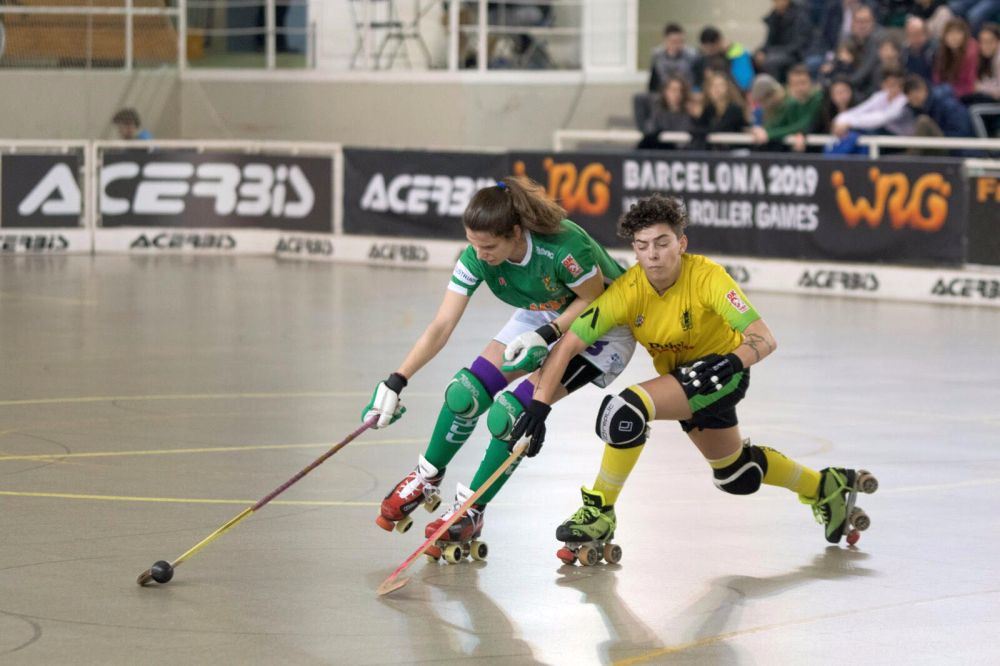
(794, 114)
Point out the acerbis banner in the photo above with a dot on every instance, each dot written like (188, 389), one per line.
(40, 191)
(414, 193)
(808, 207)
(215, 190)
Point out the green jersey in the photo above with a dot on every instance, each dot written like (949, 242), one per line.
(544, 279)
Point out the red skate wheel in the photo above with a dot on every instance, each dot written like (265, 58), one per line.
(384, 523)
(566, 555)
(433, 552)
(852, 537)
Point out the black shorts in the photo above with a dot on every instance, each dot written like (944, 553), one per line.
(717, 410)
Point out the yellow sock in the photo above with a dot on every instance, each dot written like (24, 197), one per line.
(781, 471)
(615, 468)
(785, 472)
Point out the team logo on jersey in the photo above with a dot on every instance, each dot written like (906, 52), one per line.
(547, 281)
(686, 323)
(639, 320)
(503, 282)
(574, 268)
(736, 301)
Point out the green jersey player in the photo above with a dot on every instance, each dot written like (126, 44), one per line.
(548, 269)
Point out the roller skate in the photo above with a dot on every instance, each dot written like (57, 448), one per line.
(419, 487)
(835, 508)
(461, 539)
(587, 535)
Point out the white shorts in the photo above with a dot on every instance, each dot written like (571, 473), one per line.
(610, 354)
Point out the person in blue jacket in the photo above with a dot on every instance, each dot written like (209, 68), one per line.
(938, 112)
(719, 54)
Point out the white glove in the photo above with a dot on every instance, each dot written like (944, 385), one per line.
(527, 351)
(385, 402)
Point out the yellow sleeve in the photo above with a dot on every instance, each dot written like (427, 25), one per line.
(719, 291)
(607, 311)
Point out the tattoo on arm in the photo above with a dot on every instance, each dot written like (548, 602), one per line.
(756, 343)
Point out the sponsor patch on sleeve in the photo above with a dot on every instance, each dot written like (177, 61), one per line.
(574, 268)
(463, 274)
(737, 302)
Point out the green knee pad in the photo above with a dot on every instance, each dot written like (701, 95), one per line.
(466, 396)
(503, 414)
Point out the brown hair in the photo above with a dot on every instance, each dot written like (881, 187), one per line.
(655, 209)
(733, 94)
(514, 200)
(949, 62)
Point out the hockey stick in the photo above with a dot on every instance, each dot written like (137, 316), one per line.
(163, 571)
(394, 582)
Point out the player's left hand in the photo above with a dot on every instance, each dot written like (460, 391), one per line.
(531, 424)
(710, 373)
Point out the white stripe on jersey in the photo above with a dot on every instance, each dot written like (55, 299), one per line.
(583, 278)
(457, 288)
(463, 274)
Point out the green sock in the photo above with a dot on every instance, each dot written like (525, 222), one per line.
(496, 454)
(450, 433)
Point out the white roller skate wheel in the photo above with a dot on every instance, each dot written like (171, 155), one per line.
(432, 504)
(479, 550)
(860, 519)
(612, 553)
(404, 525)
(452, 554)
(866, 483)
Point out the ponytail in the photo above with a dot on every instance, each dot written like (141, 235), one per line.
(513, 200)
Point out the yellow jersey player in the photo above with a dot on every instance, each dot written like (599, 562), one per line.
(703, 335)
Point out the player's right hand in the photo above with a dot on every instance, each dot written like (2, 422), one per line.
(527, 351)
(385, 401)
(531, 424)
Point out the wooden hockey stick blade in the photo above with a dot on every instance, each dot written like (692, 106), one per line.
(390, 583)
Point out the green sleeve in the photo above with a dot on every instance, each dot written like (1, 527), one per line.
(468, 273)
(795, 118)
(606, 312)
(721, 293)
(576, 264)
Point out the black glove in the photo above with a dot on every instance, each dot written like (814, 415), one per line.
(531, 423)
(710, 373)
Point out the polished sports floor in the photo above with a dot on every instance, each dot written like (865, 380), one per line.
(145, 401)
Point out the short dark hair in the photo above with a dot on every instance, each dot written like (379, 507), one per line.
(127, 116)
(892, 72)
(655, 209)
(799, 69)
(710, 35)
(672, 28)
(913, 82)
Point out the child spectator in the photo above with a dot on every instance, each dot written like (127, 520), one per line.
(957, 58)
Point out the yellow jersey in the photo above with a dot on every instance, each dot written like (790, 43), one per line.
(703, 312)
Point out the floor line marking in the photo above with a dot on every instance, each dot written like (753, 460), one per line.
(181, 500)
(197, 396)
(210, 449)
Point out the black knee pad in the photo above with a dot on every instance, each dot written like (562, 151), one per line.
(745, 475)
(622, 420)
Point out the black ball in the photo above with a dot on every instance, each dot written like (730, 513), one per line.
(162, 572)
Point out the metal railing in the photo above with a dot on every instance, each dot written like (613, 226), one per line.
(874, 143)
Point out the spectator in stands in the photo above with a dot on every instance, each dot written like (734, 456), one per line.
(957, 58)
(672, 59)
(918, 52)
(845, 61)
(936, 113)
(129, 126)
(834, 26)
(935, 13)
(767, 95)
(796, 113)
(838, 97)
(868, 36)
(717, 53)
(788, 35)
(884, 112)
(668, 114)
(892, 13)
(890, 54)
(975, 12)
(987, 89)
(724, 106)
